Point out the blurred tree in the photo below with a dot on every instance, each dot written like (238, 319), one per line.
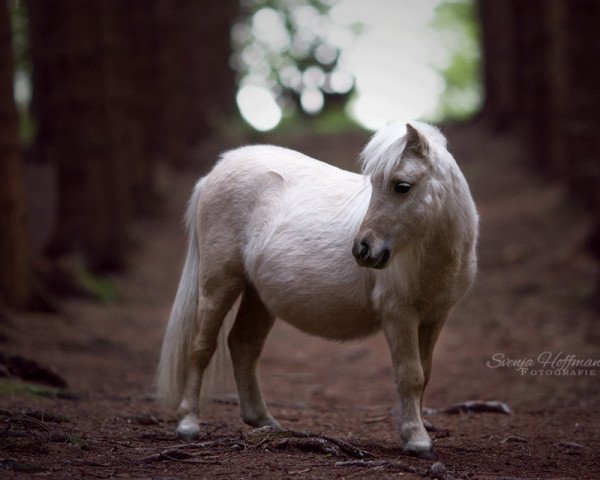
(15, 265)
(499, 66)
(80, 98)
(198, 84)
(577, 124)
(148, 102)
(542, 77)
(521, 61)
(579, 105)
(117, 88)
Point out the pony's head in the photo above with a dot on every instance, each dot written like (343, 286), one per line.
(407, 166)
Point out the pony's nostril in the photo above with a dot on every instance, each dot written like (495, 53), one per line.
(364, 251)
(361, 250)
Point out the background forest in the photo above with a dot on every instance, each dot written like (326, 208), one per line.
(111, 109)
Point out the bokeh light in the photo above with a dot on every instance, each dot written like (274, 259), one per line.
(392, 64)
(258, 107)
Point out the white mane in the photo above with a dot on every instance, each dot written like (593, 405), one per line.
(384, 151)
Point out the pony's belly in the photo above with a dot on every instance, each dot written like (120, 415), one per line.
(321, 317)
(326, 299)
(334, 328)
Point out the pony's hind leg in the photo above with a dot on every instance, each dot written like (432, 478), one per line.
(246, 341)
(212, 308)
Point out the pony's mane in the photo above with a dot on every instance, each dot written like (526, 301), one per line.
(384, 151)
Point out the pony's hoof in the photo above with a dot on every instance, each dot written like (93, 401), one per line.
(188, 430)
(266, 421)
(423, 454)
(275, 425)
(420, 449)
(188, 433)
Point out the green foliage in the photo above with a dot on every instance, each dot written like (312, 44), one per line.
(332, 121)
(22, 65)
(457, 23)
(335, 120)
(27, 127)
(19, 388)
(100, 289)
(20, 35)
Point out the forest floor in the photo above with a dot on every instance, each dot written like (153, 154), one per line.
(531, 296)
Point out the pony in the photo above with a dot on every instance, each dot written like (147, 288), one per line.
(276, 234)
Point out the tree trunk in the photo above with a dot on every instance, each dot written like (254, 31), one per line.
(80, 108)
(148, 105)
(499, 63)
(557, 86)
(197, 77)
(582, 110)
(118, 85)
(15, 265)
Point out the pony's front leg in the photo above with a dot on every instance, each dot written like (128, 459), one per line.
(402, 334)
(428, 335)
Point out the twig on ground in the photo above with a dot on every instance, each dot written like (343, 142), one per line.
(261, 437)
(303, 441)
(377, 464)
(478, 406)
(513, 438)
(173, 454)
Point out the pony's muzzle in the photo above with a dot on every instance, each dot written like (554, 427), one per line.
(368, 256)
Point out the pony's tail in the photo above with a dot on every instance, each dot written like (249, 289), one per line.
(182, 328)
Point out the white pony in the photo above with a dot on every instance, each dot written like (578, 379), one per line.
(292, 236)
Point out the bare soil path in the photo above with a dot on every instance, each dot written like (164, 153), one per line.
(530, 298)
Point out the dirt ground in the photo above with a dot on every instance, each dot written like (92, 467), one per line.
(531, 296)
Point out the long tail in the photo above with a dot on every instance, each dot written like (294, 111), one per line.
(183, 326)
(181, 329)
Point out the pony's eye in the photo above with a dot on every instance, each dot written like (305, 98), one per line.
(402, 187)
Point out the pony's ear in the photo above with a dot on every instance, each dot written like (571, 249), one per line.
(416, 143)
